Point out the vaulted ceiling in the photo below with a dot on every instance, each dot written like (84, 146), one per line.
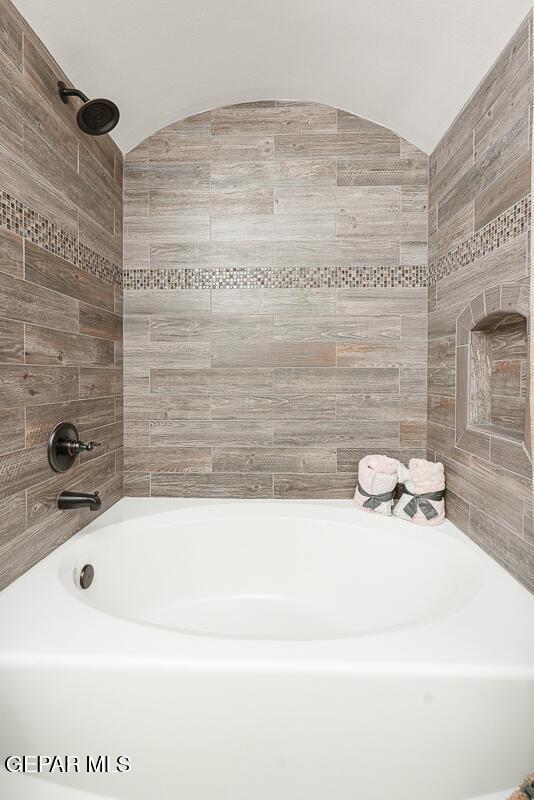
(408, 64)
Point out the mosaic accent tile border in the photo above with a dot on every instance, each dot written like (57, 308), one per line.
(18, 217)
(275, 278)
(511, 223)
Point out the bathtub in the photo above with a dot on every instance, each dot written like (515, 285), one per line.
(266, 650)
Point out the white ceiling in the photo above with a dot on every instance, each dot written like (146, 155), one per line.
(408, 64)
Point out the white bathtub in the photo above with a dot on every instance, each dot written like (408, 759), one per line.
(268, 651)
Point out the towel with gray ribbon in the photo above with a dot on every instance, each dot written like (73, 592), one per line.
(423, 496)
(377, 479)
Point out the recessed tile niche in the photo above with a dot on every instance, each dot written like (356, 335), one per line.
(492, 342)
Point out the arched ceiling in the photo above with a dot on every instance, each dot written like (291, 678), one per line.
(408, 64)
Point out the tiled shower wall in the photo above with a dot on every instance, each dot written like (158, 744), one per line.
(60, 300)
(275, 303)
(479, 219)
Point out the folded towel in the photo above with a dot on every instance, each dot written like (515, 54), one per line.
(377, 479)
(526, 790)
(422, 499)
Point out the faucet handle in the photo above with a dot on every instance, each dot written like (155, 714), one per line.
(80, 446)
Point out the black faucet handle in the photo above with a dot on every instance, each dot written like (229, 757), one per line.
(87, 446)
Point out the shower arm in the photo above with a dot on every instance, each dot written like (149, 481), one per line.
(65, 93)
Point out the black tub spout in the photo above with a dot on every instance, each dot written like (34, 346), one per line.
(70, 500)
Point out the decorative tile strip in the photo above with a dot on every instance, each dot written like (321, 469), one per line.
(511, 223)
(63, 242)
(275, 278)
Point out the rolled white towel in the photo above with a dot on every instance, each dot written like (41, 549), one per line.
(377, 479)
(423, 498)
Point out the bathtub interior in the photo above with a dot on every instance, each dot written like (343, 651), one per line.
(261, 571)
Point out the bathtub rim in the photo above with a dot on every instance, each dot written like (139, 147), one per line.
(464, 643)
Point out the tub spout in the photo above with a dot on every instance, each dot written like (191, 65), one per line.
(70, 500)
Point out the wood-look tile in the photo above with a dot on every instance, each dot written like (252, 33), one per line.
(11, 342)
(137, 484)
(273, 407)
(100, 382)
(42, 498)
(413, 434)
(273, 227)
(451, 233)
(338, 328)
(216, 484)
(85, 414)
(510, 259)
(295, 486)
(273, 174)
(475, 442)
(18, 92)
(11, 253)
(144, 176)
(167, 459)
(104, 242)
(414, 199)
(414, 326)
(370, 203)
(348, 458)
(110, 438)
(44, 161)
(296, 118)
(510, 455)
(509, 61)
(504, 545)
(21, 182)
(22, 469)
(340, 145)
(52, 272)
(136, 433)
(12, 518)
(167, 354)
(381, 170)
(274, 354)
(42, 74)
(11, 429)
(11, 35)
(48, 346)
(210, 254)
(360, 433)
(273, 459)
(27, 302)
(168, 145)
(506, 378)
(206, 381)
(511, 186)
(192, 301)
(222, 328)
(409, 352)
(408, 407)
(273, 301)
(165, 202)
(177, 433)
(182, 227)
(167, 406)
(22, 384)
(498, 157)
(10, 129)
(331, 380)
(388, 301)
(441, 410)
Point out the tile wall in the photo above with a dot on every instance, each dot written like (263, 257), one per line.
(60, 301)
(479, 242)
(275, 302)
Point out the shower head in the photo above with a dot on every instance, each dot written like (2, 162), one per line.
(94, 117)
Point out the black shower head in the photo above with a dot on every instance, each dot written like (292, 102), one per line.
(95, 117)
